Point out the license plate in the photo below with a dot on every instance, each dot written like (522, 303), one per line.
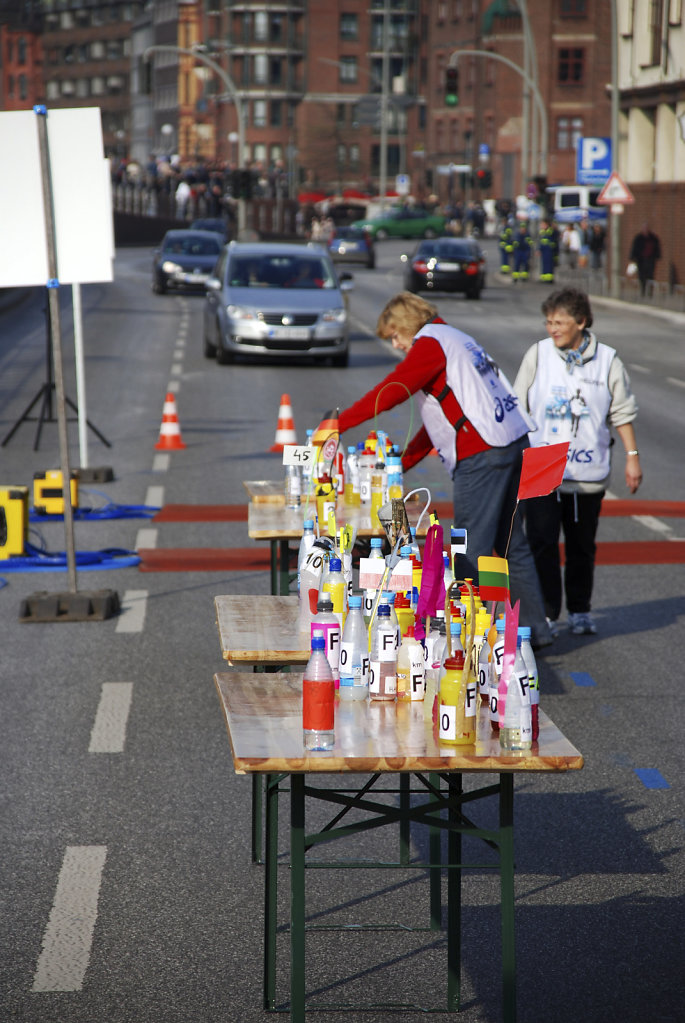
(448, 266)
(289, 333)
(195, 277)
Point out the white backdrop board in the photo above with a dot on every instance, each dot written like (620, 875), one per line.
(81, 199)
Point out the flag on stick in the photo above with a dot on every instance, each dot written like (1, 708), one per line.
(542, 470)
(493, 578)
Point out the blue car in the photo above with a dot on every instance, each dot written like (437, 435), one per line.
(352, 245)
(185, 260)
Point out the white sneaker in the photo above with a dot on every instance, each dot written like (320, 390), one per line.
(553, 627)
(581, 624)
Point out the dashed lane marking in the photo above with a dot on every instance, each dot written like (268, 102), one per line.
(676, 381)
(161, 462)
(109, 728)
(132, 614)
(68, 937)
(651, 778)
(582, 678)
(174, 386)
(154, 498)
(146, 537)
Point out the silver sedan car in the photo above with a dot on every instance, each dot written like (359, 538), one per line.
(272, 299)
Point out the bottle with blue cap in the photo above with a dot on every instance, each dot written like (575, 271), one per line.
(318, 698)
(533, 678)
(375, 552)
(306, 544)
(354, 654)
(335, 585)
(383, 666)
(515, 727)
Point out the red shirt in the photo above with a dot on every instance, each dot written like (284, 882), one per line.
(423, 368)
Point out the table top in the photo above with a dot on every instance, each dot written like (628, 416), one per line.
(263, 715)
(260, 629)
(269, 519)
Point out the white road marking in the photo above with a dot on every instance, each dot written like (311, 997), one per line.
(132, 615)
(109, 728)
(639, 369)
(154, 498)
(160, 463)
(68, 937)
(176, 369)
(650, 522)
(676, 381)
(174, 386)
(146, 538)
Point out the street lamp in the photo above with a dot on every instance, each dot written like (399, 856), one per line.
(167, 131)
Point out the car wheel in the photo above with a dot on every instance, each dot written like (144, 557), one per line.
(341, 360)
(209, 349)
(223, 357)
(159, 286)
(371, 264)
(381, 234)
(473, 293)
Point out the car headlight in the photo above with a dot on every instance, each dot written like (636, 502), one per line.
(239, 312)
(170, 267)
(338, 315)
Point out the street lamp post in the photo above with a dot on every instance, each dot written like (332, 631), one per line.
(233, 93)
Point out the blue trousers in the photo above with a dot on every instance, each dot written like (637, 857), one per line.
(485, 488)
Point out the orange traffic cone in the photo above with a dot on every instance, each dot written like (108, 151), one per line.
(170, 431)
(285, 430)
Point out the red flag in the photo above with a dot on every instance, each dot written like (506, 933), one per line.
(543, 470)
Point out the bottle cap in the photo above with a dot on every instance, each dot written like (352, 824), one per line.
(500, 624)
(335, 565)
(376, 541)
(324, 603)
(405, 552)
(354, 601)
(351, 448)
(318, 641)
(455, 628)
(524, 631)
(388, 597)
(383, 611)
(455, 662)
(308, 523)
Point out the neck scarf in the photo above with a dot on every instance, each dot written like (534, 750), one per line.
(575, 356)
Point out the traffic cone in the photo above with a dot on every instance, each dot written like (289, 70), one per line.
(285, 430)
(170, 431)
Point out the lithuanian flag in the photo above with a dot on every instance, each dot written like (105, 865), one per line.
(493, 578)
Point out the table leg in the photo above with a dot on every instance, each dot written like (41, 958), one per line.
(297, 907)
(454, 851)
(435, 852)
(257, 818)
(284, 559)
(270, 889)
(274, 567)
(405, 824)
(506, 852)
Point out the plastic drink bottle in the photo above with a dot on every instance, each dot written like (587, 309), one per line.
(325, 501)
(293, 486)
(395, 477)
(367, 461)
(388, 597)
(310, 578)
(306, 544)
(376, 497)
(411, 668)
(318, 699)
(484, 664)
(376, 551)
(354, 654)
(383, 666)
(326, 622)
(457, 721)
(405, 615)
(448, 573)
(335, 585)
(533, 678)
(309, 464)
(456, 633)
(515, 728)
(352, 496)
(495, 672)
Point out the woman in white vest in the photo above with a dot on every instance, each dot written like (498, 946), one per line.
(471, 416)
(576, 390)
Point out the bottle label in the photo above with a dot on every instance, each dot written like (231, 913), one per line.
(331, 632)
(385, 646)
(448, 722)
(382, 678)
(417, 673)
(318, 705)
(470, 699)
(353, 671)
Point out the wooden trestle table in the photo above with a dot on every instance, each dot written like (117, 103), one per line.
(263, 715)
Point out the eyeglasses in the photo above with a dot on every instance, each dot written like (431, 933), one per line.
(559, 324)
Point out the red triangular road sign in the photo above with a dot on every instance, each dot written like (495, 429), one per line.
(615, 190)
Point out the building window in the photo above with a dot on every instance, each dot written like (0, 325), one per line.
(276, 113)
(573, 8)
(21, 51)
(656, 17)
(349, 26)
(569, 130)
(259, 113)
(354, 157)
(348, 69)
(261, 68)
(570, 65)
(261, 26)
(276, 74)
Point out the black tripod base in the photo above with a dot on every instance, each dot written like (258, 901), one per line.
(44, 396)
(86, 606)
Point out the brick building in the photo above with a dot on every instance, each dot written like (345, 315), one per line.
(21, 57)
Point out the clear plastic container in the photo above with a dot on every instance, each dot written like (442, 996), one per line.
(318, 699)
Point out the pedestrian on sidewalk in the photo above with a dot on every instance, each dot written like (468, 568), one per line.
(644, 252)
(576, 389)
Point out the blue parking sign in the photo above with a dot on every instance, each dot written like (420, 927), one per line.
(593, 161)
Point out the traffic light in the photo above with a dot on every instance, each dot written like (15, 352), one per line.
(484, 178)
(451, 86)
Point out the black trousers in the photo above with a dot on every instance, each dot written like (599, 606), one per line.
(578, 516)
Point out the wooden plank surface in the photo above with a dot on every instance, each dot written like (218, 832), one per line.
(267, 521)
(263, 715)
(260, 629)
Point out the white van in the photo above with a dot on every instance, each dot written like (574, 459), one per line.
(577, 202)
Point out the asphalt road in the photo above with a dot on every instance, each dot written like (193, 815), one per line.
(127, 891)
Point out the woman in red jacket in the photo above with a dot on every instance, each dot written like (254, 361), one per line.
(472, 417)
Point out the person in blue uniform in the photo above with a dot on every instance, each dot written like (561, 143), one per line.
(506, 248)
(523, 249)
(548, 248)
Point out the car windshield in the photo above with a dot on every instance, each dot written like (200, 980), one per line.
(279, 272)
(349, 232)
(447, 250)
(192, 245)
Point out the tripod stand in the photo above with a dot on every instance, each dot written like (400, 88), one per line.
(44, 396)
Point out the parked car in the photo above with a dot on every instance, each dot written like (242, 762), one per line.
(272, 299)
(184, 260)
(404, 222)
(446, 264)
(351, 245)
(218, 224)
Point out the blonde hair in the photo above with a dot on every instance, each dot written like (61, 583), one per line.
(406, 312)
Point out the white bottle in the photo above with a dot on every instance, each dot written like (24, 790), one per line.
(293, 486)
(335, 586)
(533, 678)
(306, 544)
(388, 597)
(375, 553)
(310, 578)
(354, 654)
(516, 728)
(383, 667)
(326, 621)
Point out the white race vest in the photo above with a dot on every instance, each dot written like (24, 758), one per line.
(573, 407)
(486, 397)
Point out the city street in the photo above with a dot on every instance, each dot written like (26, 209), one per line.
(127, 890)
